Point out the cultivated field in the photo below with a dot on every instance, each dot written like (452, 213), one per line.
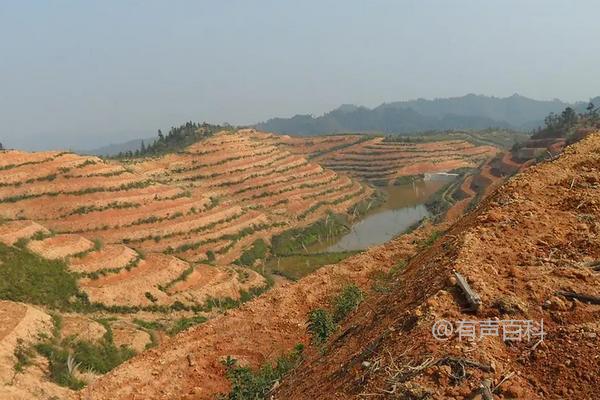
(383, 161)
(133, 230)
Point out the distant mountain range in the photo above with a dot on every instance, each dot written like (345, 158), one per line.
(466, 112)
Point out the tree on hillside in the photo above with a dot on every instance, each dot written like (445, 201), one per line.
(1, 147)
(177, 139)
(567, 123)
(568, 117)
(592, 113)
(557, 125)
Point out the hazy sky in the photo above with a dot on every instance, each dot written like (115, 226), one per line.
(85, 73)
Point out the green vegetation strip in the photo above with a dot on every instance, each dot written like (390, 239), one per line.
(294, 241)
(89, 190)
(297, 266)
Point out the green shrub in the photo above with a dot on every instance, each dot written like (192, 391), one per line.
(58, 365)
(101, 357)
(150, 297)
(210, 256)
(67, 356)
(21, 243)
(320, 325)
(40, 235)
(247, 384)
(347, 302)
(426, 243)
(98, 244)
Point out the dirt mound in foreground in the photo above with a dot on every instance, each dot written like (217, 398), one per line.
(535, 236)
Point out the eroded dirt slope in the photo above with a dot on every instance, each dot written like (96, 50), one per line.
(536, 235)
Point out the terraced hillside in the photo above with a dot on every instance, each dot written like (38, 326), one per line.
(142, 232)
(250, 183)
(128, 252)
(383, 161)
(530, 250)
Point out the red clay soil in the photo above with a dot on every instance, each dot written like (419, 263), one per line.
(189, 365)
(535, 235)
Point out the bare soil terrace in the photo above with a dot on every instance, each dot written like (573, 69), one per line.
(379, 161)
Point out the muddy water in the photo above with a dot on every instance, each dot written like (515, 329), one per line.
(404, 206)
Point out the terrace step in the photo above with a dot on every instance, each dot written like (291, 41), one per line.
(12, 231)
(60, 246)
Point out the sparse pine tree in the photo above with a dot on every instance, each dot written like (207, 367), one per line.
(569, 117)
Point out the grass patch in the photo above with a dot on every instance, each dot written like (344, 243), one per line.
(296, 240)
(68, 356)
(258, 251)
(382, 281)
(150, 325)
(28, 278)
(297, 266)
(101, 357)
(24, 355)
(247, 384)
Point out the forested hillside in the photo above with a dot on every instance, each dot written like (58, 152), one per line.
(466, 112)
